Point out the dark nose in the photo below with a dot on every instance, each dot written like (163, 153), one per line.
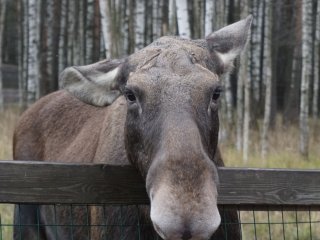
(186, 235)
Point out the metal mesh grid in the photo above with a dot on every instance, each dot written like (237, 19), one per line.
(128, 222)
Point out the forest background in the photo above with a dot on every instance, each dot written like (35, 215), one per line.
(270, 108)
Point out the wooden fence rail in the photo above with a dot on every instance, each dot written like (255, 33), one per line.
(39, 182)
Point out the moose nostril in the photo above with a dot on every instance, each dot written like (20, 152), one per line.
(186, 235)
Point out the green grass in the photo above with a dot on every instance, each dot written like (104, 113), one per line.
(283, 153)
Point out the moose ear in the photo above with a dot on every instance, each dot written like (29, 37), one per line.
(98, 84)
(228, 42)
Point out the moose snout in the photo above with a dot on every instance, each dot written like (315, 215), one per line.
(174, 219)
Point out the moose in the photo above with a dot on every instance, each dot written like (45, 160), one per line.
(157, 110)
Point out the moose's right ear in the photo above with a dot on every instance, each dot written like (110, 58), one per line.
(98, 84)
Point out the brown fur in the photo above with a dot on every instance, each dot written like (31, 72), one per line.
(169, 131)
(86, 138)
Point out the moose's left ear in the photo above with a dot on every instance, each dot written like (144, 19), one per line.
(228, 42)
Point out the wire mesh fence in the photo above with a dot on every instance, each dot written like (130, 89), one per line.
(70, 221)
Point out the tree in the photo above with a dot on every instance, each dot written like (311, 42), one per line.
(63, 36)
(306, 75)
(316, 67)
(209, 9)
(105, 25)
(33, 88)
(183, 18)
(3, 4)
(267, 76)
(139, 28)
(89, 28)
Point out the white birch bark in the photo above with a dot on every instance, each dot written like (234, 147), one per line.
(105, 26)
(139, 25)
(33, 51)
(267, 77)
(208, 17)
(183, 19)
(315, 107)
(3, 5)
(306, 75)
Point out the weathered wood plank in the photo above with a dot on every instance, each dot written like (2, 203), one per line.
(39, 182)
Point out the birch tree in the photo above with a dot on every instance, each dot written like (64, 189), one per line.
(3, 4)
(267, 8)
(139, 24)
(183, 18)
(63, 36)
(209, 9)
(316, 52)
(70, 34)
(306, 75)
(89, 31)
(33, 90)
(246, 81)
(105, 25)
(256, 49)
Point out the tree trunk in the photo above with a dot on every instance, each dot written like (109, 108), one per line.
(183, 19)
(25, 43)
(291, 110)
(209, 5)
(63, 61)
(173, 30)
(3, 5)
(89, 27)
(306, 75)
(139, 28)
(246, 79)
(106, 25)
(242, 76)
(256, 51)
(267, 76)
(316, 52)
(33, 50)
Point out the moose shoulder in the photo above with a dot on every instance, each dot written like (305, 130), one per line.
(157, 110)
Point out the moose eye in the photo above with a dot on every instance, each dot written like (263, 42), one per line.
(216, 93)
(130, 96)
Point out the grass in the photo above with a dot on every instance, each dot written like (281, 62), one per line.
(8, 119)
(283, 153)
(283, 149)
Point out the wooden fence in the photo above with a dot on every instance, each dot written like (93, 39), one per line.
(243, 188)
